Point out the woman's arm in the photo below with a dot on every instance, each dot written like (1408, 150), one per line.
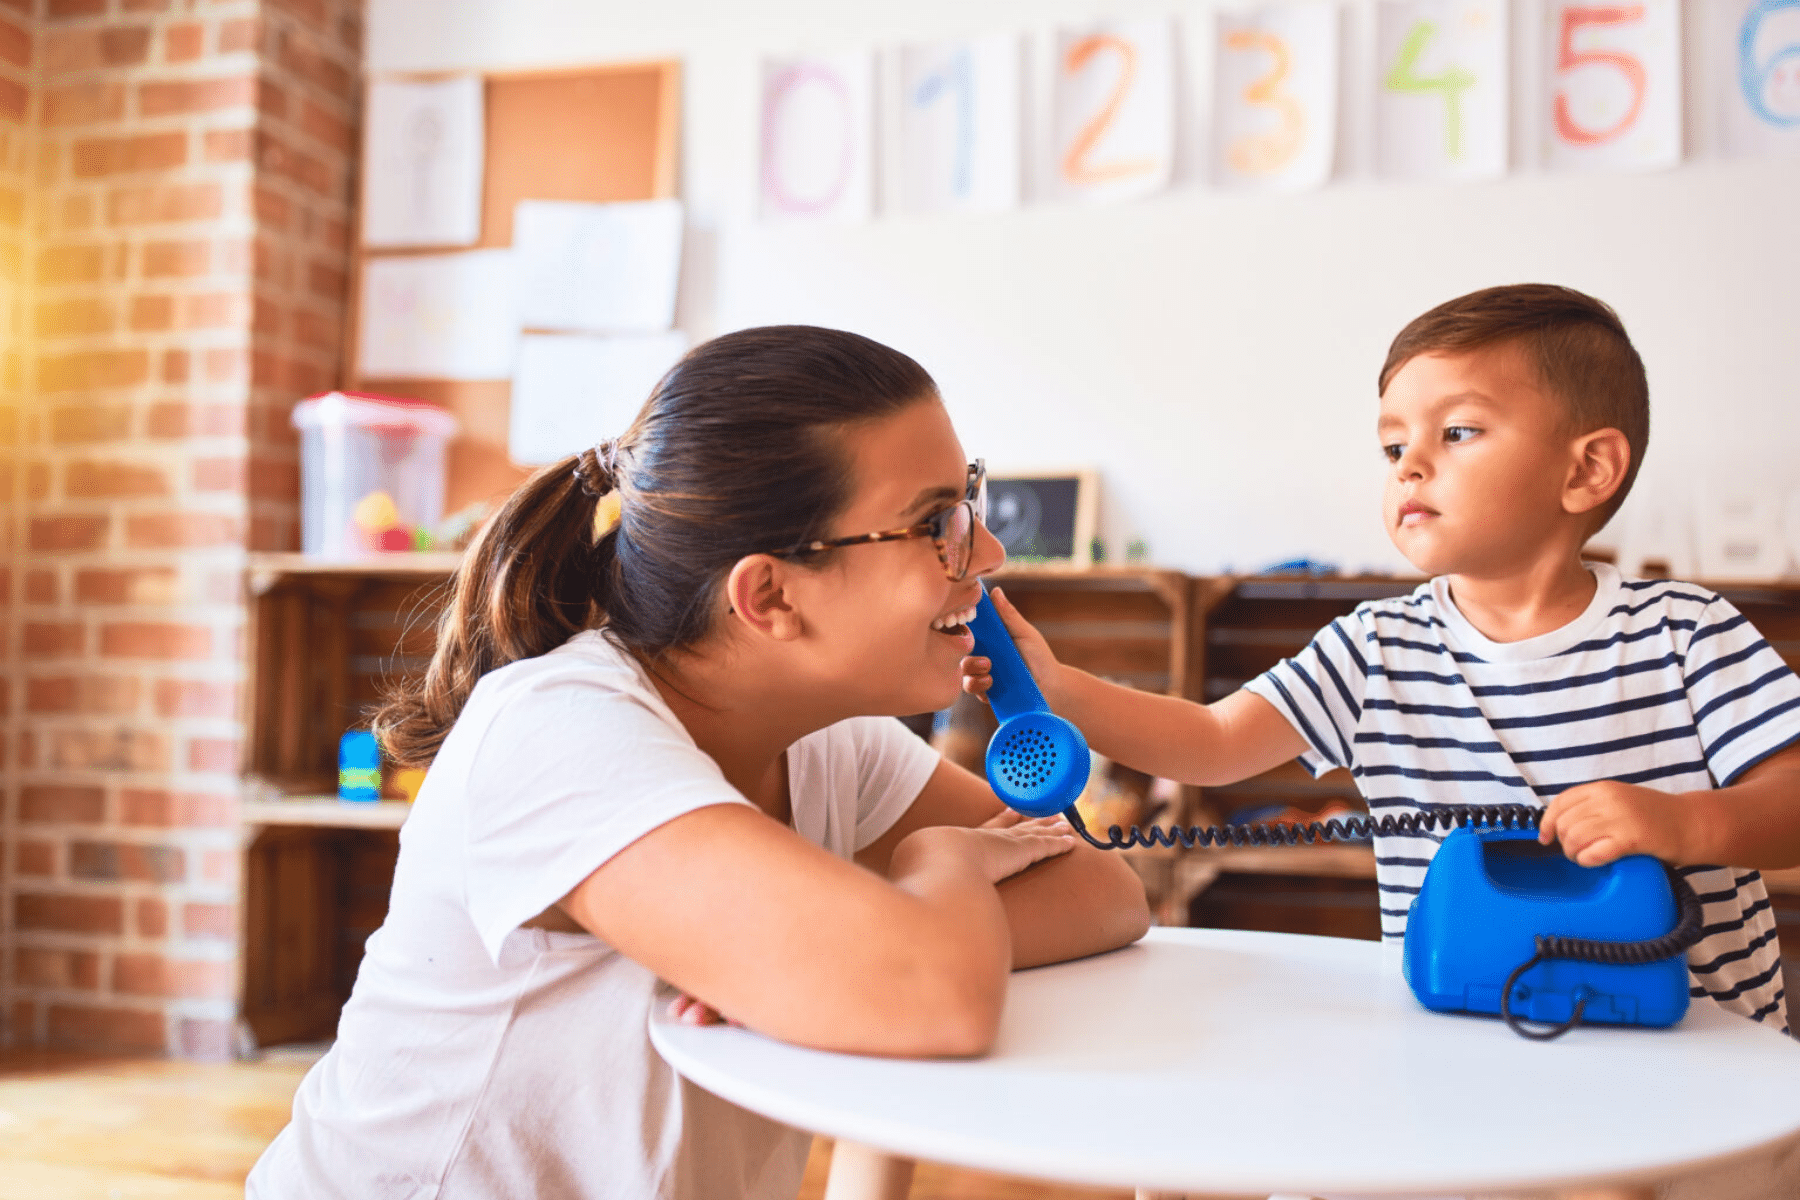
(1065, 907)
(772, 931)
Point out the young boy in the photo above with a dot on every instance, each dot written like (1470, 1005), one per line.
(1648, 715)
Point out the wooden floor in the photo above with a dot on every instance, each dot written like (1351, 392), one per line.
(77, 1127)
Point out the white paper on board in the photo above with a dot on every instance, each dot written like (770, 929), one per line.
(818, 138)
(575, 390)
(422, 163)
(1112, 126)
(1441, 89)
(439, 316)
(1613, 85)
(598, 267)
(1275, 85)
(1755, 48)
(960, 115)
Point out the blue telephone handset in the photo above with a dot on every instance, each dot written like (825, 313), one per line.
(1475, 936)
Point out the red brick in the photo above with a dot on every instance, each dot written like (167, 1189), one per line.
(61, 804)
(40, 587)
(316, 331)
(302, 56)
(67, 533)
(56, 694)
(209, 921)
(72, 424)
(71, 263)
(15, 100)
(75, 317)
(145, 806)
(187, 96)
(149, 6)
(213, 754)
(35, 858)
(312, 12)
(152, 314)
(90, 103)
(83, 480)
(90, 370)
(120, 749)
(15, 44)
(176, 365)
(325, 126)
(151, 918)
(162, 531)
(104, 695)
(140, 975)
(138, 1029)
(59, 639)
(149, 585)
(226, 145)
(68, 970)
(148, 639)
(272, 209)
(226, 364)
(76, 213)
(185, 810)
(241, 33)
(271, 99)
(184, 42)
(218, 475)
(265, 315)
(95, 157)
(61, 9)
(326, 278)
(165, 202)
(220, 866)
(165, 259)
(68, 913)
(211, 310)
(111, 862)
(195, 698)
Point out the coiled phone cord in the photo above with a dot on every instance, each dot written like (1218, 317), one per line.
(1688, 916)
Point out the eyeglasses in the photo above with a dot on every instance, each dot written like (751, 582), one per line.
(951, 530)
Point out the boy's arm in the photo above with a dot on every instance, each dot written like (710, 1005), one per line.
(1206, 744)
(1753, 823)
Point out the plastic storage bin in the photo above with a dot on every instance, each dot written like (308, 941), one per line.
(371, 472)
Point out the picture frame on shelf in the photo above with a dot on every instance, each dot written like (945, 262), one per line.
(1045, 519)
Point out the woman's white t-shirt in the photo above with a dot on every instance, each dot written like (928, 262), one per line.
(479, 1059)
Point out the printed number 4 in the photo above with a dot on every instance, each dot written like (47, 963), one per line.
(1567, 59)
(1453, 82)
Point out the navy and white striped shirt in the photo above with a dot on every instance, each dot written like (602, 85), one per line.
(1658, 683)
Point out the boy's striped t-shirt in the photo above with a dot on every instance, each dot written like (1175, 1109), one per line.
(1658, 683)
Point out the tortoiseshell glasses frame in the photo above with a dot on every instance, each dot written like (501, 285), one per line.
(951, 530)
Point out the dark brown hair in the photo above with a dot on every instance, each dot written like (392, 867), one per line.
(738, 451)
(1575, 343)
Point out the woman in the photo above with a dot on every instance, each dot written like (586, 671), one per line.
(658, 727)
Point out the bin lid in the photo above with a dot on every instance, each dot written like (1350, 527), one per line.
(372, 410)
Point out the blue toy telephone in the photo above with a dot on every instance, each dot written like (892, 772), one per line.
(1495, 906)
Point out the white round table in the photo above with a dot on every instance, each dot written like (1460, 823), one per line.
(1212, 1060)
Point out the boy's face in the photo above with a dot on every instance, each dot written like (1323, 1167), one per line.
(1478, 456)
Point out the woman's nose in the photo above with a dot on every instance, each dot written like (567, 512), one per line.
(989, 554)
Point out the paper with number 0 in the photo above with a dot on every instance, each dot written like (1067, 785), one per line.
(1112, 131)
(1613, 84)
(1441, 103)
(1275, 86)
(959, 116)
(818, 138)
(1756, 58)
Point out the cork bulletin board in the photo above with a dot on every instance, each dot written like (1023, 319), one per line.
(595, 134)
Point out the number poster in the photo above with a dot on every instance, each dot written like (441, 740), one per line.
(1441, 109)
(1275, 97)
(818, 138)
(1113, 110)
(1613, 76)
(960, 108)
(1758, 44)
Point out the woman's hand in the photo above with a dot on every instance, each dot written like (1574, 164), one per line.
(996, 850)
(978, 671)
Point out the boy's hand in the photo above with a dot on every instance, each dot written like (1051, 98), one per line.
(1599, 822)
(977, 671)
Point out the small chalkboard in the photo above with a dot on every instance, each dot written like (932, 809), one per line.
(1045, 519)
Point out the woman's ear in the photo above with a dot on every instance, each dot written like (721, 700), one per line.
(757, 593)
(1600, 461)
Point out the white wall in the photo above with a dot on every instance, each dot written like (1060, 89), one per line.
(1213, 356)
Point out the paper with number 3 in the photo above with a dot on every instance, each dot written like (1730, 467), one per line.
(1275, 86)
(1440, 111)
(1613, 74)
(1113, 110)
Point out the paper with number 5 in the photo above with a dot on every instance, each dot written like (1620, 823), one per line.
(818, 138)
(1440, 107)
(1113, 110)
(1613, 75)
(1275, 97)
(1755, 48)
(959, 123)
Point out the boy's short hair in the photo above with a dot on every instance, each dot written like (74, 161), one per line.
(1575, 343)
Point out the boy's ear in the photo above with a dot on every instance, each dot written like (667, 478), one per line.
(758, 595)
(1599, 462)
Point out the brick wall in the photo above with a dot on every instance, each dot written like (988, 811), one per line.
(189, 200)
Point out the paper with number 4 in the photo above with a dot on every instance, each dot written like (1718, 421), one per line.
(1440, 108)
(1756, 57)
(959, 119)
(1275, 97)
(609, 268)
(1113, 110)
(573, 390)
(818, 138)
(1614, 79)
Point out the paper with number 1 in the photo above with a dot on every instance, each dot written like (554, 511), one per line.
(1756, 59)
(1440, 108)
(1275, 97)
(959, 111)
(1614, 80)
